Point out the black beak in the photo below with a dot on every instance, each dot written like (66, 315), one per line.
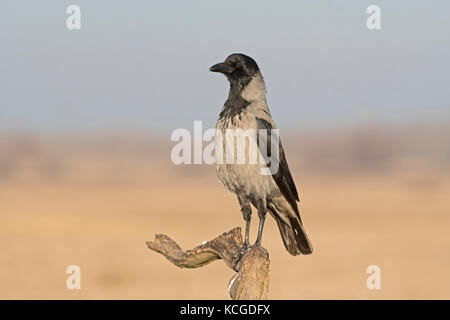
(222, 68)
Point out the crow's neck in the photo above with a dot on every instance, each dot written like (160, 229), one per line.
(242, 93)
(255, 90)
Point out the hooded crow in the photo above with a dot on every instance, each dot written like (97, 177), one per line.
(246, 110)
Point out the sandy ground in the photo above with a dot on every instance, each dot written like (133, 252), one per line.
(353, 222)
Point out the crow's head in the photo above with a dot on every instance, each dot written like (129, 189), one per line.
(238, 68)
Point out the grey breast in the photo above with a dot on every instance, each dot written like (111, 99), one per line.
(243, 179)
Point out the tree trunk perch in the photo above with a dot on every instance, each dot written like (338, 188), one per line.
(251, 280)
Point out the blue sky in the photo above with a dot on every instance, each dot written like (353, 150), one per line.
(143, 66)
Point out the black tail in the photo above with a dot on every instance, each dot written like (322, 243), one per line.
(294, 236)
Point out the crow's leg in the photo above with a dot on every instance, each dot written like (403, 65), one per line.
(262, 210)
(247, 214)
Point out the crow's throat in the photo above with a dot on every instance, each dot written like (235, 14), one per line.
(235, 103)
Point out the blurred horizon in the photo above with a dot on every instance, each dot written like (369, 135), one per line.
(362, 149)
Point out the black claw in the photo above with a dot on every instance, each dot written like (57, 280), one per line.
(238, 255)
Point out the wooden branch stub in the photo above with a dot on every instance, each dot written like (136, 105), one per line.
(252, 278)
(222, 247)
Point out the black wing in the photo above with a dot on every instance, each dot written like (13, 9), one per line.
(282, 176)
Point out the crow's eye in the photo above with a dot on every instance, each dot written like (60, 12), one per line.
(235, 64)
